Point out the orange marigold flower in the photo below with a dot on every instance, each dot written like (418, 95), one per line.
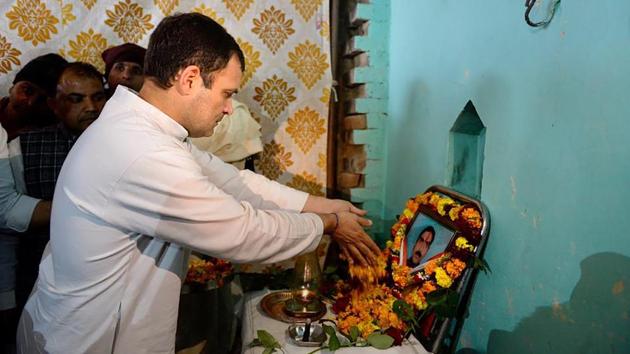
(454, 267)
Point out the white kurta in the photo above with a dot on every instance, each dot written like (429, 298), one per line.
(132, 195)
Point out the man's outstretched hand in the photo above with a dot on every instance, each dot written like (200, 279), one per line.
(347, 229)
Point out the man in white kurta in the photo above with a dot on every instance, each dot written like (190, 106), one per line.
(152, 181)
(134, 194)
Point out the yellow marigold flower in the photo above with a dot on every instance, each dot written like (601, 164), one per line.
(408, 213)
(462, 243)
(442, 278)
(443, 203)
(423, 198)
(453, 214)
(434, 200)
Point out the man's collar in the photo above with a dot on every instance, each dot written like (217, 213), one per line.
(125, 97)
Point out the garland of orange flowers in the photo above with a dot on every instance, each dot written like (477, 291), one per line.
(369, 304)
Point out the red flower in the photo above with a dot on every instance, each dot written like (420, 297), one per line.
(340, 304)
(397, 334)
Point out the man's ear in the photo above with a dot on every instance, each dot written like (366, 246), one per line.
(187, 80)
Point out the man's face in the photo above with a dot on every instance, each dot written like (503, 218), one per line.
(421, 247)
(211, 104)
(79, 101)
(27, 99)
(125, 73)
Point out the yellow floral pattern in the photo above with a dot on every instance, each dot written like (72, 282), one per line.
(305, 127)
(322, 161)
(308, 62)
(306, 8)
(88, 3)
(273, 28)
(202, 9)
(33, 21)
(87, 47)
(128, 21)
(66, 14)
(308, 183)
(274, 95)
(252, 60)
(274, 160)
(238, 7)
(8, 56)
(324, 30)
(167, 6)
(325, 96)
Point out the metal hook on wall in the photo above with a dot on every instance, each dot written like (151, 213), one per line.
(529, 4)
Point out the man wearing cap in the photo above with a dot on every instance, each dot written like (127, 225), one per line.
(123, 66)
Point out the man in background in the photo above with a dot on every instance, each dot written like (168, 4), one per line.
(124, 66)
(37, 157)
(25, 108)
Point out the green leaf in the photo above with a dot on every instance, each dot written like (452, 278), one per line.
(255, 343)
(380, 341)
(403, 310)
(354, 333)
(333, 341)
(267, 340)
(481, 264)
(437, 297)
(269, 350)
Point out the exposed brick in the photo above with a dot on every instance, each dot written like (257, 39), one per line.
(356, 121)
(349, 180)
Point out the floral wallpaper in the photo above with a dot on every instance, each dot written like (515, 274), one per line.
(286, 45)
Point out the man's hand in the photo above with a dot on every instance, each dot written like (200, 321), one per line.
(322, 205)
(346, 229)
(40, 219)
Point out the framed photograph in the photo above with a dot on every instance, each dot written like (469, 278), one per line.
(427, 239)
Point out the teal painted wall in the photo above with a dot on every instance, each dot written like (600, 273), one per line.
(556, 175)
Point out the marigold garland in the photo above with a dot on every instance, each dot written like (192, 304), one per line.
(368, 305)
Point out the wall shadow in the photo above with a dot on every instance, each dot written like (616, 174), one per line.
(596, 319)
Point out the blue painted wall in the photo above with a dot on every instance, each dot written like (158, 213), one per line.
(556, 173)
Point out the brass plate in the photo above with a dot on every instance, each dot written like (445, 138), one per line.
(273, 305)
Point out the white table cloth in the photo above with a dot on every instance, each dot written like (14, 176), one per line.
(254, 319)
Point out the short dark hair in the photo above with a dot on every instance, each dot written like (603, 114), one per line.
(82, 69)
(430, 229)
(189, 39)
(43, 71)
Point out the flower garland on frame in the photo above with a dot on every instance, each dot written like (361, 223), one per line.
(388, 299)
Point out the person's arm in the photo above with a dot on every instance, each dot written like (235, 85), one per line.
(166, 195)
(40, 218)
(16, 209)
(265, 194)
(246, 185)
